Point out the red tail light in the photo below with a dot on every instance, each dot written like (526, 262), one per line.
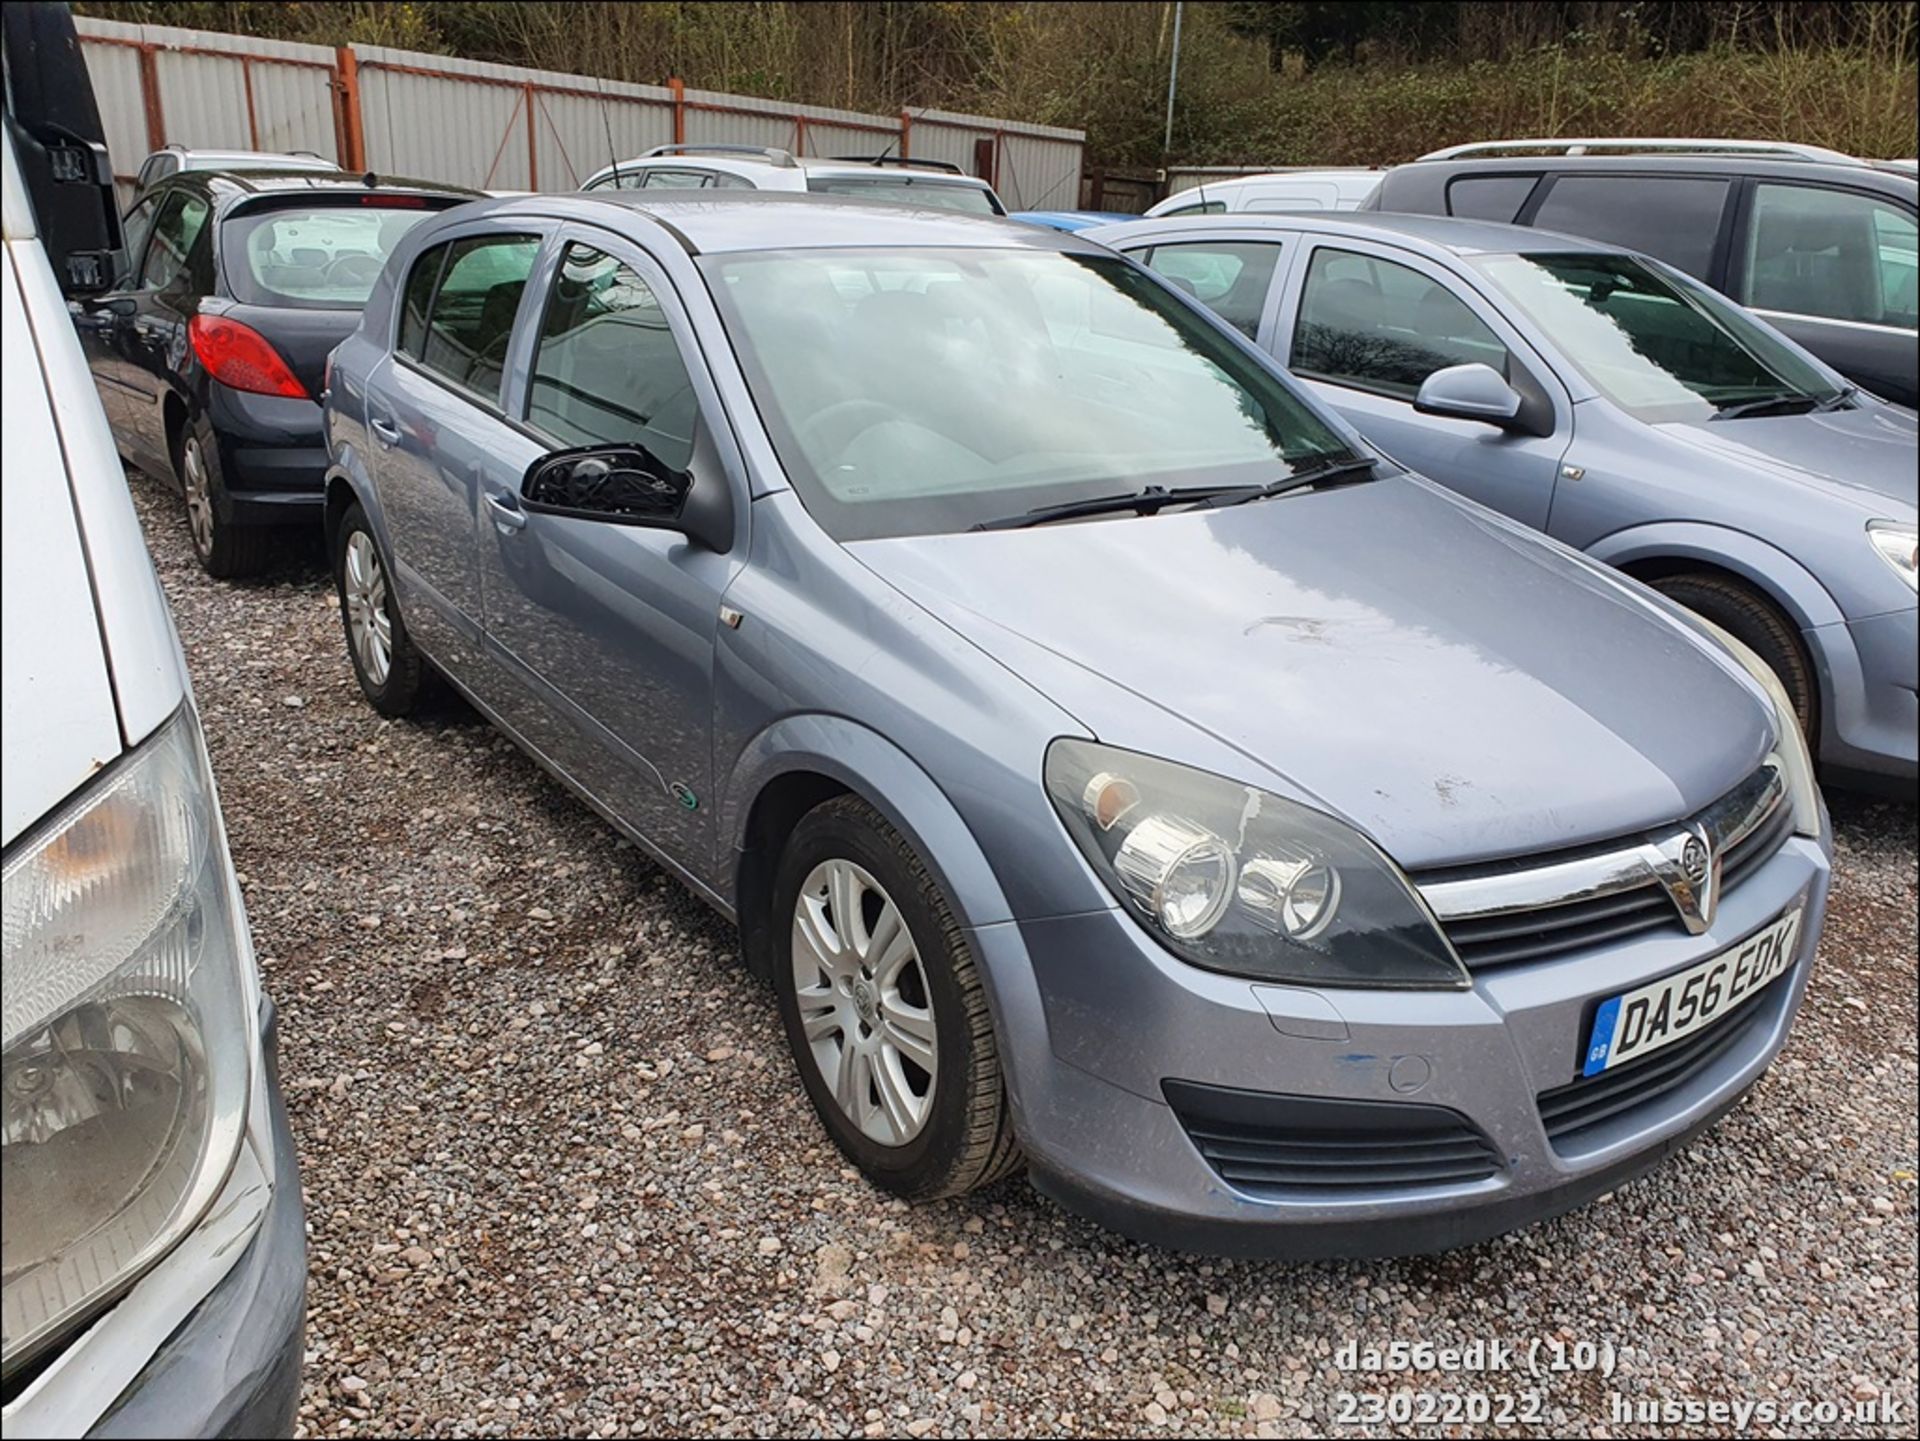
(240, 356)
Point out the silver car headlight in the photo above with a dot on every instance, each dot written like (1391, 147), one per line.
(1899, 547)
(1233, 878)
(1790, 755)
(127, 1041)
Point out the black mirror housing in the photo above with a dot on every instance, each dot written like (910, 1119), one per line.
(628, 485)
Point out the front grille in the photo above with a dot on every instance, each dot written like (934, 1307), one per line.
(1569, 1112)
(1304, 1147)
(1512, 937)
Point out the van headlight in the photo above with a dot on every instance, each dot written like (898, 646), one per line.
(1236, 879)
(1790, 754)
(127, 1041)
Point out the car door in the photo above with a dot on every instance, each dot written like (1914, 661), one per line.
(1836, 270)
(434, 412)
(1234, 272)
(95, 318)
(608, 628)
(1363, 325)
(149, 336)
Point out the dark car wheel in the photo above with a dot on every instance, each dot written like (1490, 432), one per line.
(225, 551)
(884, 1009)
(1753, 620)
(385, 661)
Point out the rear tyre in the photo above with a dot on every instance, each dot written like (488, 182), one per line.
(385, 662)
(1752, 619)
(884, 1009)
(225, 551)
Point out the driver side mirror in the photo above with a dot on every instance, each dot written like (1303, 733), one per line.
(628, 485)
(1470, 392)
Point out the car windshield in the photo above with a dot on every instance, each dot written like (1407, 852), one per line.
(1659, 348)
(908, 190)
(917, 391)
(318, 258)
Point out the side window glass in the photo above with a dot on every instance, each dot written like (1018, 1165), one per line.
(608, 370)
(1816, 251)
(471, 324)
(1489, 197)
(1202, 207)
(1380, 326)
(676, 179)
(416, 300)
(181, 219)
(1676, 218)
(726, 180)
(1230, 276)
(133, 228)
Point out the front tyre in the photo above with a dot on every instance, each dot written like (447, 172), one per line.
(385, 661)
(1756, 623)
(885, 1011)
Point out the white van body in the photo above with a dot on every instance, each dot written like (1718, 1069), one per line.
(173, 1327)
(1281, 190)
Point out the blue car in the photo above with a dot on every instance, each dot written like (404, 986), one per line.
(1621, 407)
(1071, 221)
(1122, 772)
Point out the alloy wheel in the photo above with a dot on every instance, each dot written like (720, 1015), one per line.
(864, 1004)
(363, 585)
(199, 493)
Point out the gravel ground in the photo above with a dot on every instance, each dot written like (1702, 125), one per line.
(560, 1176)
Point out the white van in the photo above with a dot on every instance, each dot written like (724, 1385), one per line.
(1281, 190)
(155, 1275)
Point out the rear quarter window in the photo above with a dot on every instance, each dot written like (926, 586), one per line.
(1489, 197)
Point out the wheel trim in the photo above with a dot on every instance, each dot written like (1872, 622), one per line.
(363, 590)
(199, 494)
(866, 1013)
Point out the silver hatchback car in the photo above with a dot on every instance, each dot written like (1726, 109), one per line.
(1119, 769)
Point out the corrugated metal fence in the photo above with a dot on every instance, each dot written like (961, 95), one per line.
(500, 127)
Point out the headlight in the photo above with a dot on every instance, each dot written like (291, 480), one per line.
(1235, 879)
(1790, 752)
(1899, 547)
(127, 1040)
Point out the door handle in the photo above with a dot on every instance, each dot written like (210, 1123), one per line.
(507, 515)
(384, 431)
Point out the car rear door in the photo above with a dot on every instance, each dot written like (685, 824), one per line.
(1836, 269)
(608, 628)
(1235, 271)
(434, 412)
(1364, 324)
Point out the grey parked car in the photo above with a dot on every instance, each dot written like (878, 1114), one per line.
(1621, 407)
(1118, 768)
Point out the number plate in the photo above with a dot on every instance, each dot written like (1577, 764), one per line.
(1637, 1023)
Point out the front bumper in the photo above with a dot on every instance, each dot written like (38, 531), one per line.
(1109, 1018)
(273, 456)
(1872, 694)
(232, 1368)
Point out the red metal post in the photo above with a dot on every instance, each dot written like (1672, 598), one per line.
(150, 97)
(253, 118)
(533, 143)
(352, 135)
(679, 89)
(906, 134)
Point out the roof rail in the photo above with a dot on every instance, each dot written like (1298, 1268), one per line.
(901, 160)
(1622, 145)
(772, 154)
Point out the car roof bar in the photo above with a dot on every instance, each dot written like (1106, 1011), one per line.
(1588, 145)
(763, 152)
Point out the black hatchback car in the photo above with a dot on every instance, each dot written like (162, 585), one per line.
(1819, 244)
(210, 352)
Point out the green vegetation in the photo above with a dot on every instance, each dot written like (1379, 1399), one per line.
(1359, 83)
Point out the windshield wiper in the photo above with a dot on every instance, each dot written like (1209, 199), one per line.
(1147, 501)
(1841, 399)
(1790, 403)
(1337, 472)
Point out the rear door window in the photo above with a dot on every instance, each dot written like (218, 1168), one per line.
(1814, 250)
(1489, 197)
(608, 370)
(1230, 277)
(1673, 217)
(1377, 325)
(470, 324)
(323, 258)
(175, 231)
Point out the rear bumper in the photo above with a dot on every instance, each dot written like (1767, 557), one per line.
(273, 456)
(232, 1368)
